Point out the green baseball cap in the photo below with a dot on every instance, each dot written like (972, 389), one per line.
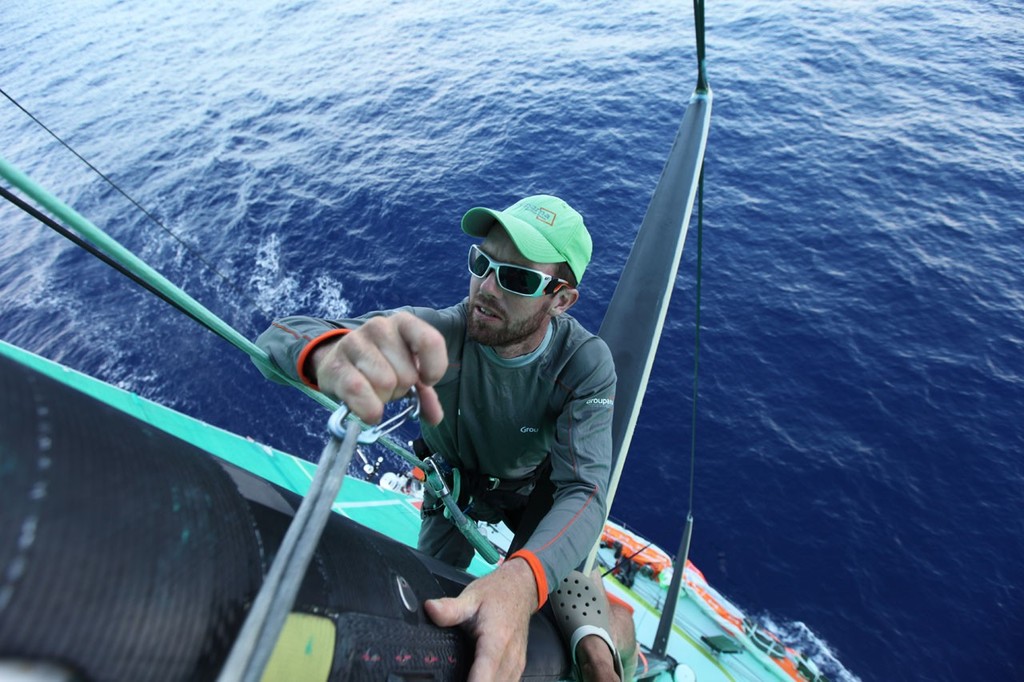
(544, 228)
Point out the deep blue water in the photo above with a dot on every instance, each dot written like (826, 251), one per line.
(860, 479)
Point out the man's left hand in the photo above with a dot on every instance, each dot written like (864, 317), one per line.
(496, 610)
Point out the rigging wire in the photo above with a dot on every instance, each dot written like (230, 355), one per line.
(660, 645)
(127, 263)
(145, 281)
(696, 339)
(81, 243)
(194, 252)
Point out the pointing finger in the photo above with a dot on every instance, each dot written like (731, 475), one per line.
(426, 344)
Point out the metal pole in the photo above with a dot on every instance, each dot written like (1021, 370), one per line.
(669, 611)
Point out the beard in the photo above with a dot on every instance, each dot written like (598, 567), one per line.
(509, 332)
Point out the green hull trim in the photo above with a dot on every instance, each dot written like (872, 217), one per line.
(387, 512)
(397, 516)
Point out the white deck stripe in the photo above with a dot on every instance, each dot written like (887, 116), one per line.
(370, 503)
(303, 469)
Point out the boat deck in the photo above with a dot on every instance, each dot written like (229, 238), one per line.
(397, 516)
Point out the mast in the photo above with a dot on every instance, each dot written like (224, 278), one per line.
(633, 323)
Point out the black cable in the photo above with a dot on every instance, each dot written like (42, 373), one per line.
(154, 219)
(698, 23)
(78, 241)
(622, 560)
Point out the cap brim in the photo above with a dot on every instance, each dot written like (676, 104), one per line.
(477, 222)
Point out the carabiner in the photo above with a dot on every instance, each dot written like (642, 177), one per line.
(441, 480)
(371, 434)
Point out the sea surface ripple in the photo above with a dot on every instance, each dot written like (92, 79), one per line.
(860, 479)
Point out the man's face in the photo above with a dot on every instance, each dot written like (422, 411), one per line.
(513, 325)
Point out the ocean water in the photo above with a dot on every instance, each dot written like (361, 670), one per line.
(860, 454)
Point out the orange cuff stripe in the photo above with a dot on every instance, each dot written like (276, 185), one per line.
(538, 574)
(304, 355)
(615, 600)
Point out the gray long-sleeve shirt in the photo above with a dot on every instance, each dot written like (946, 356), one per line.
(504, 417)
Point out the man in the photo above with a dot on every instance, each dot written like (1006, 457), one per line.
(517, 396)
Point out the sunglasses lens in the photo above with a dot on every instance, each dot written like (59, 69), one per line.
(478, 262)
(519, 280)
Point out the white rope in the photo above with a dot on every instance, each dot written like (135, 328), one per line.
(259, 634)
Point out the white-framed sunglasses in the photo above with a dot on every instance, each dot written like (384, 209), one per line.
(515, 279)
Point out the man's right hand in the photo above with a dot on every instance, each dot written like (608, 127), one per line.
(379, 362)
